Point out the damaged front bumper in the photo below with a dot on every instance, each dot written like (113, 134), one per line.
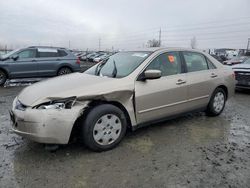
(51, 126)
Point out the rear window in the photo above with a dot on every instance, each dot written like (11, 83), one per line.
(195, 61)
(62, 53)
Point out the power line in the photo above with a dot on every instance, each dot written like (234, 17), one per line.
(209, 22)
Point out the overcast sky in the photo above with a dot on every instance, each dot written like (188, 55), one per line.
(124, 23)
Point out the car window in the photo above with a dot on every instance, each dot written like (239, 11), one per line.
(44, 52)
(48, 54)
(247, 61)
(29, 53)
(195, 61)
(168, 63)
(62, 53)
(210, 64)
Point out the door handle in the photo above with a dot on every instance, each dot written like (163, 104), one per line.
(213, 75)
(58, 59)
(33, 60)
(180, 81)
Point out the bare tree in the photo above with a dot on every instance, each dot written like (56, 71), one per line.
(193, 43)
(153, 43)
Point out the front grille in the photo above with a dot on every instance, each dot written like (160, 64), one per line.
(242, 76)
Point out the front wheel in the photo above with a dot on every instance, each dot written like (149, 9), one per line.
(104, 127)
(217, 102)
(3, 78)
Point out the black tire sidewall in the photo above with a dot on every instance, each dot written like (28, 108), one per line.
(5, 78)
(89, 123)
(64, 68)
(211, 111)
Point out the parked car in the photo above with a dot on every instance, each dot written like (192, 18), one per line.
(83, 57)
(98, 54)
(235, 60)
(90, 55)
(129, 89)
(37, 61)
(242, 74)
(100, 58)
(218, 58)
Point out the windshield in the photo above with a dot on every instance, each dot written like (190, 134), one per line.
(9, 54)
(247, 61)
(122, 63)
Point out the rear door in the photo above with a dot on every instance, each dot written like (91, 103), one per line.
(25, 65)
(156, 99)
(48, 61)
(202, 77)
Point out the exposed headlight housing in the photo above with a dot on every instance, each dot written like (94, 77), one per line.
(59, 104)
(20, 106)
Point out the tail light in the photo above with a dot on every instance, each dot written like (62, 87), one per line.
(78, 61)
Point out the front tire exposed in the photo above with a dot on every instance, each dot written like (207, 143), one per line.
(217, 103)
(3, 77)
(104, 127)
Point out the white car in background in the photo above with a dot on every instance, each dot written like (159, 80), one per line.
(100, 58)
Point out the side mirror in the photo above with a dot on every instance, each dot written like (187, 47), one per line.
(150, 75)
(15, 57)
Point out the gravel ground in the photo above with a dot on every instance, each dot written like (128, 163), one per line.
(190, 151)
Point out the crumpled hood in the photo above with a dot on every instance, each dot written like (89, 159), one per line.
(83, 86)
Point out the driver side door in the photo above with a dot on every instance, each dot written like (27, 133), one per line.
(25, 65)
(166, 96)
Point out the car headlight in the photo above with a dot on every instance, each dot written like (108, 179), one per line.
(20, 106)
(59, 104)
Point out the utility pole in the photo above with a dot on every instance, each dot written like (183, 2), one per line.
(69, 44)
(160, 38)
(99, 44)
(248, 43)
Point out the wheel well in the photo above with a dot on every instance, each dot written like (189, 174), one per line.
(115, 103)
(225, 89)
(5, 72)
(77, 125)
(65, 66)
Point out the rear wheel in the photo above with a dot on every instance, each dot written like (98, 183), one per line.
(3, 77)
(217, 102)
(63, 71)
(104, 127)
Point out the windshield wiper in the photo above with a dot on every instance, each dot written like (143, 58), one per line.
(99, 67)
(114, 73)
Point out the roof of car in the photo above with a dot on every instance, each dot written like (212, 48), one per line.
(154, 49)
(52, 47)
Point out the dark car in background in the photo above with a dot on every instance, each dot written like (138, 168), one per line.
(242, 74)
(37, 61)
(218, 58)
(235, 60)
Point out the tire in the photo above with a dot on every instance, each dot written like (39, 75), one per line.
(63, 71)
(217, 103)
(3, 77)
(104, 127)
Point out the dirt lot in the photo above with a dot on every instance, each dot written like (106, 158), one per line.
(191, 151)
